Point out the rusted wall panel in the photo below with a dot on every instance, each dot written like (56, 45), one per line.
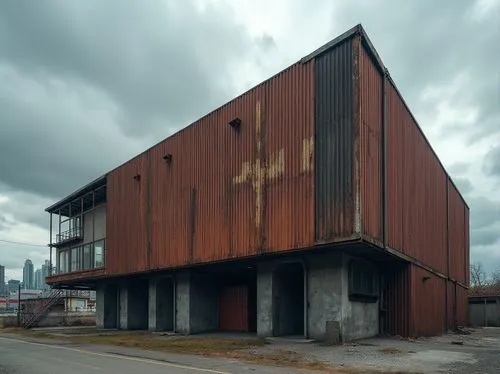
(462, 306)
(456, 230)
(428, 303)
(457, 305)
(233, 309)
(126, 212)
(397, 313)
(370, 122)
(416, 189)
(225, 193)
(334, 140)
(467, 247)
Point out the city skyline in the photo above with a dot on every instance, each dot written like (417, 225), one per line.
(16, 273)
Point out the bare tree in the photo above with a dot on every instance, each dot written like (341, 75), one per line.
(477, 275)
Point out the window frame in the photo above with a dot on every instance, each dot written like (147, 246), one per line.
(363, 282)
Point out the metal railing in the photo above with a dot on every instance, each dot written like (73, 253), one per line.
(33, 310)
(71, 234)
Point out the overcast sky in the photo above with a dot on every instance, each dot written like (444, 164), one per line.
(86, 85)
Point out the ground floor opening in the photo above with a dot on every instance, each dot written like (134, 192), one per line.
(289, 301)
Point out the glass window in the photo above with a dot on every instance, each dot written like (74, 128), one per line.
(63, 261)
(99, 254)
(74, 259)
(87, 256)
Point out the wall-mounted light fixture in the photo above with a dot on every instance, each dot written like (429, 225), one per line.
(168, 158)
(235, 123)
(425, 279)
(137, 177)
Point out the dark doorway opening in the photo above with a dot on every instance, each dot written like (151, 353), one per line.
(110, 307)
(164, 305)
(237, 298)
(288, 303)
(137, 305)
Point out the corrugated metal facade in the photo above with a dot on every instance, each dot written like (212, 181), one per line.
(334, 151)
(397, 301)
(370, 122)
(224, 193)
(416, 189)
(233, 309)
(428, 303)
(456, 230)
(126, 212)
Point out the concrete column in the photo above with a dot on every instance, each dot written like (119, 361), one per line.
(133, 304)
(106, 307)
(265, 300)
(325, 294)
(196, 304)
(161, 304)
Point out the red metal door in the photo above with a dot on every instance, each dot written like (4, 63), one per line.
(233, 309)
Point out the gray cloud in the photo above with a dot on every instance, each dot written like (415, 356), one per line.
(464, 185)
(424, 43)
(492, 161)
(483, 211)
(458, 168)
(485, 236)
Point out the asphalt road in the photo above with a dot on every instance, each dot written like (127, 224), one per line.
(28, 357)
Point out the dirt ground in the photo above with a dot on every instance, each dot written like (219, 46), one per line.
(475, 351)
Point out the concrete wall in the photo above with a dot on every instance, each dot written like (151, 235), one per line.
(481, 314)
(54, 319)
(359, 319)
(327, 299)
(204, 304)
(107, 307)
(325, 292)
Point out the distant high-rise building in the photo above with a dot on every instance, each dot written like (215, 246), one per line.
(38, 279)
(45, 273)
(2, 280)
(13, 285)
(28, 274)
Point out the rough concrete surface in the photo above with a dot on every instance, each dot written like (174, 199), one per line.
(478, 353)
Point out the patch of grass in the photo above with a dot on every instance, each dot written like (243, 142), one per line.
(390, 350)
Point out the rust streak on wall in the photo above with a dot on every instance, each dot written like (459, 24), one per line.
(371, 92)
(212, 192)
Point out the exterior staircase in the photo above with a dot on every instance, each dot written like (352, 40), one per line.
(36, 312)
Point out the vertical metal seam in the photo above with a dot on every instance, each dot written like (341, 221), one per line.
(384, 159)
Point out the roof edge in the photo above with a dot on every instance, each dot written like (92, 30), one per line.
(98, 182)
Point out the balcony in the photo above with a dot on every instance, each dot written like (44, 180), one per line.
(70, 236)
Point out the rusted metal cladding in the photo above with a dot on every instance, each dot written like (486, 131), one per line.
(126, 215)
(233, 309)
(213, 192)
(397, 314)
(428, 302)
(467, 247)
(334, 144)
(416, 189)
(456, 238)
(462, 306)
(370, 122)
(457, 305)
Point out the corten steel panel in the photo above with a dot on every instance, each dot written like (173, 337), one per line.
(416, 189)
(370, 122)
(428, 303)
(334, 144)
(233, 309)
(233, 193)
(84, 274)
(127, 244)
(462, 306)
(456, 230)
(397, 301)
(467, 246)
